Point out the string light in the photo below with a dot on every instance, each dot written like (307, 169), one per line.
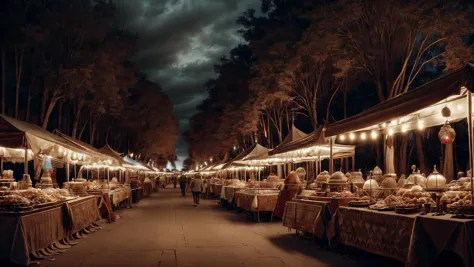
(384, 125)
(352, 136)
(421, 125)
(390, 131)
(373, 134)
(459, 106)
(404, 128)
(363, 136)
(394, 122)
(342, 137)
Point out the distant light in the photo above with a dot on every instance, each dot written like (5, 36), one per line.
(373, 134)
(342, 137)
(363, 136)
(352, 136)
(384, 125)
(390, 131)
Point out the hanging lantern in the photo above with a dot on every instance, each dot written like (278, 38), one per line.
(446, 134)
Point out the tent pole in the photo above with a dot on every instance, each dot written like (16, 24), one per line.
(470, 136)
(67, 171)
(25, 169)
(331, 163)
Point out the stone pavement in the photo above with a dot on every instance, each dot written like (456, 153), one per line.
(167, 230)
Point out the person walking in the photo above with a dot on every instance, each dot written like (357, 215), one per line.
(182, 185)
(175, 178)
(196, 188)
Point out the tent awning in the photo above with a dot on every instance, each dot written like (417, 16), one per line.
(17, 134)
(421, 97)
(254, 152)
(107, 150)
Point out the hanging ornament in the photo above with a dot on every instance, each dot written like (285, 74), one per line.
(446, 112)
(446, 134)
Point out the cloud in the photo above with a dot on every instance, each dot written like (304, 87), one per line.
(180, 41)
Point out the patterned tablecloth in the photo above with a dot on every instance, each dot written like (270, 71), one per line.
(120, 195)
(227, 192)
(26, 234)
(307, 216)
(416, 240)
(256, 202)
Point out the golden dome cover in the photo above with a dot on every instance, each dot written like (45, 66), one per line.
(323, 177)
(337, 178)
(435, 181)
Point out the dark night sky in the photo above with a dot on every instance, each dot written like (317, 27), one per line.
(180, 41)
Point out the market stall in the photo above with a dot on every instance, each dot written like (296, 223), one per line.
(416, 219)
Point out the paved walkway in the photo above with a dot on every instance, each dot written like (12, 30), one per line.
(167, 230)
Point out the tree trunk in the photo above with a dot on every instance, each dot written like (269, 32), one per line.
(44, 101)
(3, 80)
(77, 119)
(18, 69)
(52, 104)
(60, 116)
(28, 104)
(82, 130)
(94, 128)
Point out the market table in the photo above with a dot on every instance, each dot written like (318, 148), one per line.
(216, 189)
(28, 233)
(256, 202)
(307, 216)
(120, 195)
(227, 192)
(414, 239)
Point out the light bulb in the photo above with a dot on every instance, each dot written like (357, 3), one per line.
(384, 125)
(390, 131)
(394, 122)
(421, 125)
(363, 136)
(342, 137)
(404, 128)
(459, 106)
(373, 134)
(352, 136)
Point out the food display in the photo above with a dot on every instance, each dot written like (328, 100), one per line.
(322, 178)
(337, 182)
(340, 194)
(371, 187)
(357, 179)
(23, 200)
(7, 179)
(415, 179)
(377, 174)
(388, 186)
(45, 182)
(435, 181)
(364, 201)
(401, 181)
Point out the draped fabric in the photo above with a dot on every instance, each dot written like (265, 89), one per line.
(390, 156)
(448, 165)
(26, 234)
